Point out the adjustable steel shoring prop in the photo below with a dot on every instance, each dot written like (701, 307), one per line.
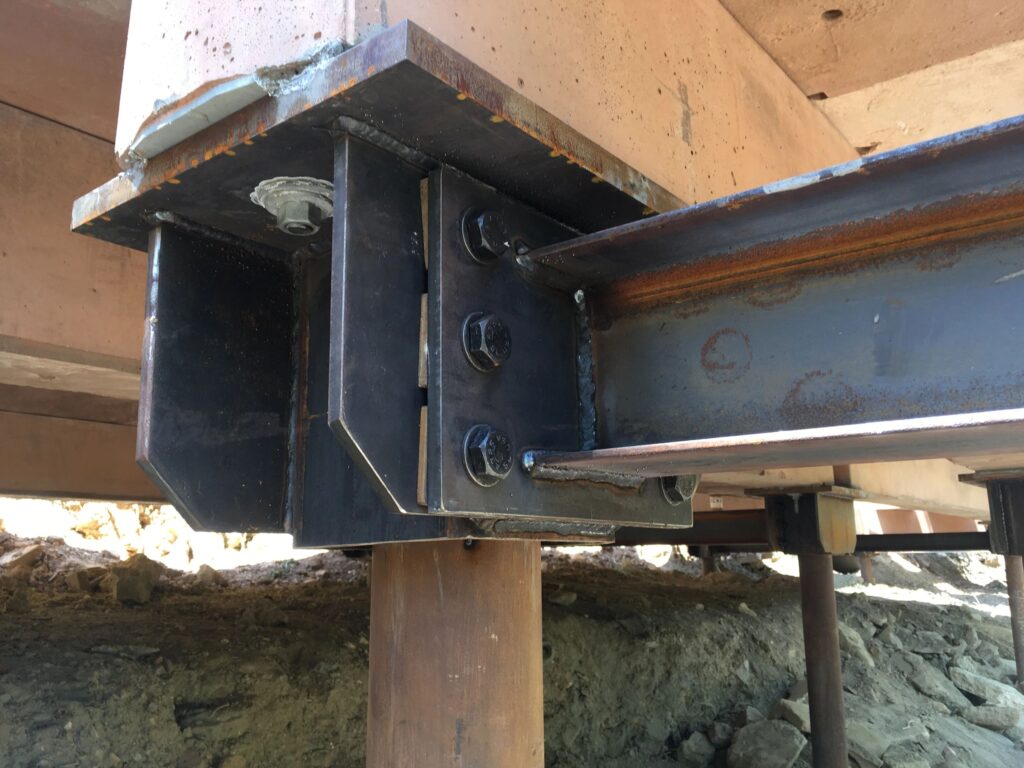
(1015, 592)
(1006, 535)
(814, 527)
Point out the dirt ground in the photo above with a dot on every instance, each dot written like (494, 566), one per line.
(265, 665)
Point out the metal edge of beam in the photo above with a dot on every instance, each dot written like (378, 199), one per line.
(919, 438)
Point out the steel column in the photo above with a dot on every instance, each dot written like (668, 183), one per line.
(1015, 591)
(824, 673)
(455, 656)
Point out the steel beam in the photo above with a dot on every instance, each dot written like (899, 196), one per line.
(858, 314)
(924, 542)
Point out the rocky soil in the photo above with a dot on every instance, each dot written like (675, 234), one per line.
(110, 662)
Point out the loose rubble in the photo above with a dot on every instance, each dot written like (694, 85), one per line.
(125, 662)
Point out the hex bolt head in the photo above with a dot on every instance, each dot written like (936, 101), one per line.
(486, 341)
(679, 488)
(488, 455)
(485, 235)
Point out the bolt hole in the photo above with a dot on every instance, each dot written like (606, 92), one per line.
(832, 14)
(819, 96)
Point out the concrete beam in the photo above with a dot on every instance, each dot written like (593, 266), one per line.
(679, 91)
(850, 45)
(946, 98)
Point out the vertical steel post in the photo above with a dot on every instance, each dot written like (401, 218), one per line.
(1015, 591)
(867, 567)
(824, 672)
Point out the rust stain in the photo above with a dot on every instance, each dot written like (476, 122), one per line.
(726, 355)
(820, 397)
(829, 251)
(942, 259)
(770, 295)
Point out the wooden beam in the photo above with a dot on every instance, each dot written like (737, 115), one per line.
(931, 485)
(68, 405)
(53, 457)
(871, 41)
(73, 303)
(964, 93)
(63, 60)
(46, 366)
(455, 656)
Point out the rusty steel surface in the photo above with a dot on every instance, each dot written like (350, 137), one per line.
(860, 314)
(413, 90)
(759, 242)
(1015, 592)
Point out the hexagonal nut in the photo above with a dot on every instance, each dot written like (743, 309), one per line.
(486, 341)
(297, 217)
(488, 455)
(485, 235)
(679, 488)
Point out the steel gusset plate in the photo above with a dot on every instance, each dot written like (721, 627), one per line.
(533, 396)
(378, 279)
(233, 411)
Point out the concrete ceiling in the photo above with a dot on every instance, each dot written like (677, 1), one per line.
(833, 47)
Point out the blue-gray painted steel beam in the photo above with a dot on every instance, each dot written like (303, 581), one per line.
(868, 312)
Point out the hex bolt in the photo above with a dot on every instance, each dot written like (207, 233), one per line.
(486, 341)
(485, 235)
(488, 455)
(297, 217)
(679, 488)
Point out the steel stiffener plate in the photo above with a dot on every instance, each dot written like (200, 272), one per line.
(533, 396)
(378, 278)
(217, 372)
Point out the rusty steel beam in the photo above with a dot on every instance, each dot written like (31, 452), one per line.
(859, 314)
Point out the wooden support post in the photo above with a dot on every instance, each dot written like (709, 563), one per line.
(1015, 591)
(824, 672)
(455, 656)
